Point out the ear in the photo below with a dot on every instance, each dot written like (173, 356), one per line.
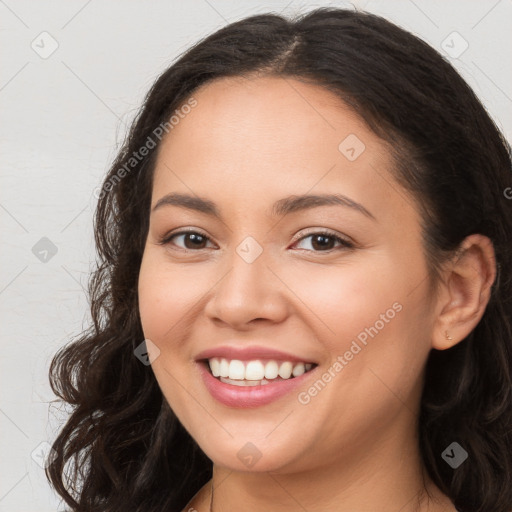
(464, 292)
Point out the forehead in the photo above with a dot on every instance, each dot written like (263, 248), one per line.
(270, 114)
(264, 138)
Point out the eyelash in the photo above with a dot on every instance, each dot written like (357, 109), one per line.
(345, 244)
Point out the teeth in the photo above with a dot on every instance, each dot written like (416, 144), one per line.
(253, 371)
(245, 383)
(256, 370)
(271, 370)
(298, 370)
(223, 368)
(236, 370)
(285, 370)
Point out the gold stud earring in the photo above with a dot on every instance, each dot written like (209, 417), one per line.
(448, 337)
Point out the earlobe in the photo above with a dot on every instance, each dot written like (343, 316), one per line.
(466, 291)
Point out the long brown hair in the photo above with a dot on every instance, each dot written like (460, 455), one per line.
(123, 448)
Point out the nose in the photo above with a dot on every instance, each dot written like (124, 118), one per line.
(248, 294)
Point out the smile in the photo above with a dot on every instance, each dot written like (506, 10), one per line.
(246, 384)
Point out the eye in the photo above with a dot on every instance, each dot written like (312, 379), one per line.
(323, 241)
(196, 240)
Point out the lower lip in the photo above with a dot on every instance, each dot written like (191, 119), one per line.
(249, 396)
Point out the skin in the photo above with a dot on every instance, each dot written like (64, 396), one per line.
(248, 143)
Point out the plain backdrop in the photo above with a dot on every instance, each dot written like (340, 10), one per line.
(73, 74)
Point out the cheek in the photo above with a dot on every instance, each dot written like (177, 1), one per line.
(164, 296)
(366, 314)
(342, 300)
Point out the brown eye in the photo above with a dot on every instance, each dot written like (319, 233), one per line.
(191, 240)
(325, 241)
(320, 242)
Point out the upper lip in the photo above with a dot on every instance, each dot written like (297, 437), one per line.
(249, 353)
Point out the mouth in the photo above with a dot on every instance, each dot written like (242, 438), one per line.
(257, 372)
(255, 383)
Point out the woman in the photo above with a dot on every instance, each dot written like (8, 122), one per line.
(303, 300)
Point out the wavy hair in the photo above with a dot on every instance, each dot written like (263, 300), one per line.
(122, 447)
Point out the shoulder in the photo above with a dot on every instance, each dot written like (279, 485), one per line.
(200, 501)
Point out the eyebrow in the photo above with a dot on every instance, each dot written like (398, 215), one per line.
(283, 206)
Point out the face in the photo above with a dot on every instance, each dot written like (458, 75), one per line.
(341, 285)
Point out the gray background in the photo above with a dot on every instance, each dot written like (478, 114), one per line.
(64, 115)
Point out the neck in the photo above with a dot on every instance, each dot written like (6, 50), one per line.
(388, 476)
